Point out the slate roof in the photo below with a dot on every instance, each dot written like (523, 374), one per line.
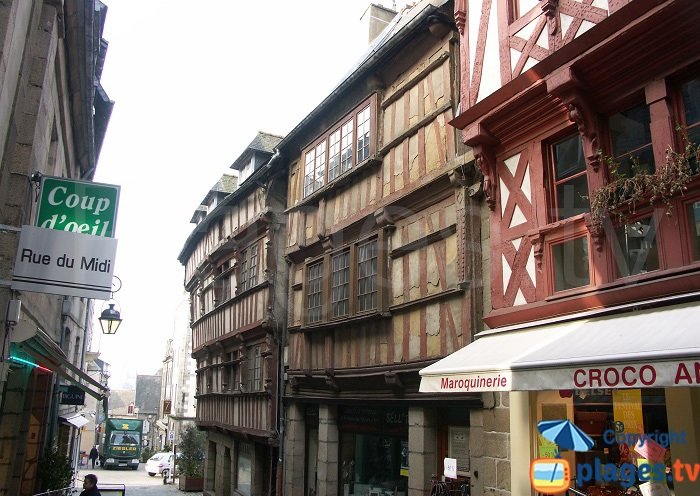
(226, 184)
(263, 142)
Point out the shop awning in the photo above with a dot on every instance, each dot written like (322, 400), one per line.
(39, 345)
(76, 420)
(655, 347)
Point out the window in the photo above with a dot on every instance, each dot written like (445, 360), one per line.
(367, 276)
(220, 228)
(340, 290)
(570, 264)
(254, 375)
(346, 147)
(353, 287)
(694, 226)
(334, 155)
(630, 137)
(228, 374)
(244, 469)
(314, 293)
(634, 247)
(222, 283)
(570, 189)
(249, 267)
(691, 108)
(363, 131)
(342, 148)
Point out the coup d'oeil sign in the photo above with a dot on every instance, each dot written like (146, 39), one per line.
(78, 206)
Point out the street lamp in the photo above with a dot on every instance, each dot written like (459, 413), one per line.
(110, 320)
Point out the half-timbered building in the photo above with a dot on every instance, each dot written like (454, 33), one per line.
(583, 116)
(237, 278)
(383, 249)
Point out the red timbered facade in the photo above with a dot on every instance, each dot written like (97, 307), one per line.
(236, 276)
(384, 254)
(563, 102)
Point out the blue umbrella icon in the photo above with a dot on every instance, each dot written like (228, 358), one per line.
(565, 434)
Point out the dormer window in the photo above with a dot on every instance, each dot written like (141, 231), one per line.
(344, 146)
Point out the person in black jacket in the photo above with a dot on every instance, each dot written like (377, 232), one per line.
(90, 486)
(94, 455)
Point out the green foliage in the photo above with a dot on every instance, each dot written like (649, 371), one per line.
(620, 196)
(55, 471)
(191, 449)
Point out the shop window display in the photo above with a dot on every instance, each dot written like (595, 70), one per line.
(373, 451)
(630, 430)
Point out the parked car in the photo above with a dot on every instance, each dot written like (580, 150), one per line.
(160, 463)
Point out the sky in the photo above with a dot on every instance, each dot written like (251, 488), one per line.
(193, 82)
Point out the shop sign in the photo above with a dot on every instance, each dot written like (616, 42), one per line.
(167, 407)
(64, 263)
(71, 395)
(450, 468)
(78, 206)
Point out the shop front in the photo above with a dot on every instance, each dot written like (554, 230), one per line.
(626, 377)
(373, 450)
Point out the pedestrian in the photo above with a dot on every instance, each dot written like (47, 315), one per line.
(93, 456)
(90, 486)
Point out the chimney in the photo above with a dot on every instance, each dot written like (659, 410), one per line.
(375, 19)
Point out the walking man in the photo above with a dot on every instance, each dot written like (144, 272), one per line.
(93, 455)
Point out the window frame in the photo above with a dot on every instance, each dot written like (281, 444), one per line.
(632, 152)
(552, 199)
(324, 141)
(326, 261)
(254, 370)
(223, 290)
(244, 280)
(576, 232)
(650, 212)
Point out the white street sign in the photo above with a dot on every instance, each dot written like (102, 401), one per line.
(64, 263)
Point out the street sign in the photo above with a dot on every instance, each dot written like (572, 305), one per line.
(78, 206)
(64, 263)
(72, 395)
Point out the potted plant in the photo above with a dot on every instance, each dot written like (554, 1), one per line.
(190, 462)
(55, 471)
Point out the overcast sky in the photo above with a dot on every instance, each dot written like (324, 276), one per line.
(193, 82)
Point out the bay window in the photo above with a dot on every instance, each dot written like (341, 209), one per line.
(340, 149)
(351, 286)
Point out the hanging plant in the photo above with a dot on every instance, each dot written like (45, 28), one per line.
(620, 196)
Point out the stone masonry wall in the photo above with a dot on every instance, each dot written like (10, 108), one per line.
(489, 446)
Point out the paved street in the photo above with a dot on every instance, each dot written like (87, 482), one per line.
(137, 482)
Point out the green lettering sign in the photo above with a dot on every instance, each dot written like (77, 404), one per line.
(78, 206)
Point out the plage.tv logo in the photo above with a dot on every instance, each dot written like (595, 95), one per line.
(550, 475)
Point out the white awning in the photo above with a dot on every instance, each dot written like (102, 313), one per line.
(656, 347)
(76, 421)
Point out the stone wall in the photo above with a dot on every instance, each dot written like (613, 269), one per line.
(489, 446)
